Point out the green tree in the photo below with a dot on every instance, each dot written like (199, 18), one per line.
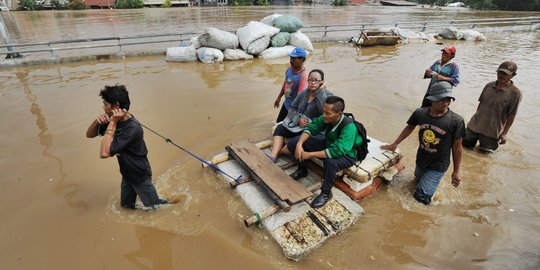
(30, 5)
(77, 5)
(123, 4)
(167, 4)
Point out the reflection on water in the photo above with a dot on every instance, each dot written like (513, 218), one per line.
(489, 222)
(68, 190)
(154, 249)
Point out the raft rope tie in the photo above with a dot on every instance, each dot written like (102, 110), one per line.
(167, 140)
(259, 220)
(382, 163)
(368, 173)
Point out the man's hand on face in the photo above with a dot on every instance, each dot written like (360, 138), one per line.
(102, 119)
(118, 114)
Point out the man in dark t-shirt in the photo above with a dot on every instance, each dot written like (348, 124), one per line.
(440, 133)
(123, 138)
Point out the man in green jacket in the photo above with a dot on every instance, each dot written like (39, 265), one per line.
(336, 147)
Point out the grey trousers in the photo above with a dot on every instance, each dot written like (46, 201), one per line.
(146, 191)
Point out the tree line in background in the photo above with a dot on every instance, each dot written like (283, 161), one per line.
(520, 5)
(79, 4)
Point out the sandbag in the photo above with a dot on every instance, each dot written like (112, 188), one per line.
(194, 41)
(288, 23)
(181, 54)
(280, 39)
(298, 39)
(277, 52)
(236, 54)
(472, 35)
(253, 31)
(258, 45)
(451, 33)
(219, 39)
(209, 55)
(269, 20)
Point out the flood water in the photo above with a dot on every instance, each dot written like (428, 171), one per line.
(59, 203)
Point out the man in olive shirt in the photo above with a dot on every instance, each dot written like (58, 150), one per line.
(496, 111)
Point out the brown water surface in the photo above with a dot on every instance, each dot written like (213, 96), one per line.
(59, 201)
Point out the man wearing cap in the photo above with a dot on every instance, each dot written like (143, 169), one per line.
(496, 111)
(440, 132)
(295, 82)
(442, 70)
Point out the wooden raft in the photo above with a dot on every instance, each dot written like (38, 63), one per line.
(277, 184)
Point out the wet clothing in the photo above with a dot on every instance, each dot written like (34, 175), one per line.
(471, 138)
(496, 104)
(428, 181)
(450, 69)
(145, 189)
(130, 150)
(436, 137)
(294, 84)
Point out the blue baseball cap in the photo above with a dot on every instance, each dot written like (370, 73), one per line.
(298, 52)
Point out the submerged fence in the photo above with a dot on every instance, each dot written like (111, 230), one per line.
(109, 47)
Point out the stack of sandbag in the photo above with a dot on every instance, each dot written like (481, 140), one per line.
(454, 33)
(181, 54)
(289, 31)
(219, 39)
(473, 35)
(277, 52)
(255, 37)
(274, 36)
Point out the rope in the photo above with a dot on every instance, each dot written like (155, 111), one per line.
(167, 140)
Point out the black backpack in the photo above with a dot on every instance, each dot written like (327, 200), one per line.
(362, 150)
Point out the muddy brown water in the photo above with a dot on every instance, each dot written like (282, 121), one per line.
(59, 201)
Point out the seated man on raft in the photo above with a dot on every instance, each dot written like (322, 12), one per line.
(337, 148)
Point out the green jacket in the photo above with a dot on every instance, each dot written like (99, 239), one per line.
(337, 145)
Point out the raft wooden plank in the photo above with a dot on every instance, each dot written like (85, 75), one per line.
(281, 184)
(281, 203)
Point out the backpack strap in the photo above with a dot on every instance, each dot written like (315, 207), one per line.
(349, 118)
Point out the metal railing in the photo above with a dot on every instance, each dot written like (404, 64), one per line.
(317, 31)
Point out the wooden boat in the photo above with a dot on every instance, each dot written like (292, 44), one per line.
(374, 38)
(397, 3)
(281, 205)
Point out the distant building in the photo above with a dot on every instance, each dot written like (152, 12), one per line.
(100, 3)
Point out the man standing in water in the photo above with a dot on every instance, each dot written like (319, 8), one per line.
(123, 137)
(295, 82)
(496, 111)
(441, 131)
(442, 70)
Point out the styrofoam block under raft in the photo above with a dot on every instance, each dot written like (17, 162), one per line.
(376, 162)
(257, 200)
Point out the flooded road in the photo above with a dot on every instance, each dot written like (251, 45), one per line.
(59, 202)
